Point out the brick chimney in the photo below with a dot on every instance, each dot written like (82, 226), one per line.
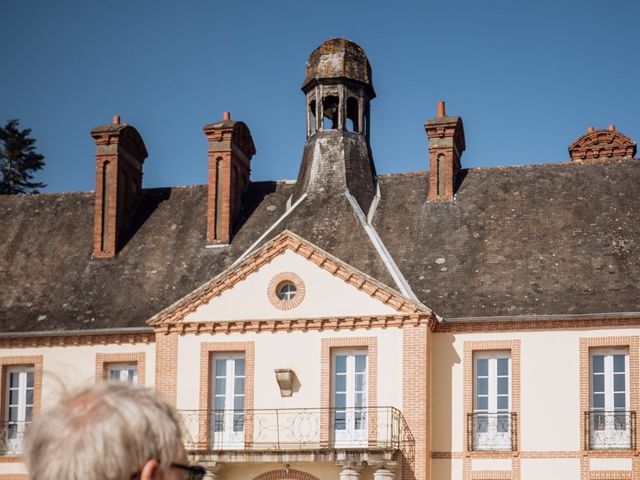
(230, 150)
(446, 144)
(120, 153)
(598, 145)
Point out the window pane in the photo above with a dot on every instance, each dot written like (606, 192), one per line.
(502, 425)
(340, 423)
(503, 366)
(238, 422)
(30, 397)
(619, 401)
(219, 403)
(503, 403)
(29, 379)
(28, 413)
(618, 363)
(13, 414)
(220, 387)
(619, 383)
(14, 378)
(221, 368)
(361, 363)
(482, 367)
(340, 400)
(240, 366)
(238, 403)
(341, 383)
(598, 401)
(239, 387)
(359, 383)
(598, 363)
(13, 397)
(483, 386)
(341, 363)
(482, 403)
(115, 374)
(503, 386)
(598, 383)
(359, 400)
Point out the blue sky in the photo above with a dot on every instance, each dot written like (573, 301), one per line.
(526, 77)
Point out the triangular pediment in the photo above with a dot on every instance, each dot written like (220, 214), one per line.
(325, 287)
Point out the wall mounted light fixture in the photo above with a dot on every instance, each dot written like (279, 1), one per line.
(284, 377)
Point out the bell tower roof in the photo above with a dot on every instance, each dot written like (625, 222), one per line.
(338, 59)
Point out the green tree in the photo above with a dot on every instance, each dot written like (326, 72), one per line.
(18, 160)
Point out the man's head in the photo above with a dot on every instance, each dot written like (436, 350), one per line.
(111, 431)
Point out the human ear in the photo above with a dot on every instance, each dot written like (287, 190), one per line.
(151, 470)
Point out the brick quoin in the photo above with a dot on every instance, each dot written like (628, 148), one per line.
(415, 398)
(167, 365)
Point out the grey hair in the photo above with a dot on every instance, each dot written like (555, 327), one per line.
(103, 432)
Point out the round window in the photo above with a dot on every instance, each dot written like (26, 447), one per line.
(286, 291)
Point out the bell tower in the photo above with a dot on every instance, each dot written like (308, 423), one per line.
(337, 156)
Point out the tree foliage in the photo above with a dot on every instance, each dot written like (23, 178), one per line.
(18, 160)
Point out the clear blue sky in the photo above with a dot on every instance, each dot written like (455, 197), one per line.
(526, 77)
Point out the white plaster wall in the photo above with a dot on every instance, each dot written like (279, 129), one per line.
(72, 366)
(490, 464)
(13, 468)
(610, 463)
(537, 469)
(325, 296)
(550, 416)
(299, 351)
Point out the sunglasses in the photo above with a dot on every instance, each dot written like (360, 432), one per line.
(194, 472)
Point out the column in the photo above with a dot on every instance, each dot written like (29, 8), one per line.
(348, 473)
(383, 474)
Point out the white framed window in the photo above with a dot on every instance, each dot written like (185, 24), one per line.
(19, 397)
(123, 372)
(491, 420)
(350, 383)
(609, 418)
(228, 395)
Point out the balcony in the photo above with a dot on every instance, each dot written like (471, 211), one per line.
(12, 440)
(610, 430)
(491, 431)
(302, 434)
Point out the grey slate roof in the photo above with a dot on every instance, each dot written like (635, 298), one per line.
(542, 239)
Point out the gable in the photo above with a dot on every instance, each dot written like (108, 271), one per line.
(247, 291)
(325, 295)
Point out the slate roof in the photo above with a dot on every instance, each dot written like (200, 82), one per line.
(541, 239)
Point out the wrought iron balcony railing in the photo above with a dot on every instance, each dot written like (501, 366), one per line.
(491, 431)
(12, 439)
(610, 430)
(296, 429)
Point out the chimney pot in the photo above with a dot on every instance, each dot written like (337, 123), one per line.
(612, 128)
(590, 129)
(226, 115)
(116, 119)
(441, 112)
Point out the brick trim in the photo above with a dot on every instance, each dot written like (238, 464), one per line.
(285, 475)
(34, 361)
(610, 475)
(327, 346)
(167, 366)
(283, 242)
(296, 324)
(207, 350)
(104, 359)
(471, 347)
(277, 281)
(76, 340)
(633, 344)
(532, 325)
(491, 474)
(535, 454)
